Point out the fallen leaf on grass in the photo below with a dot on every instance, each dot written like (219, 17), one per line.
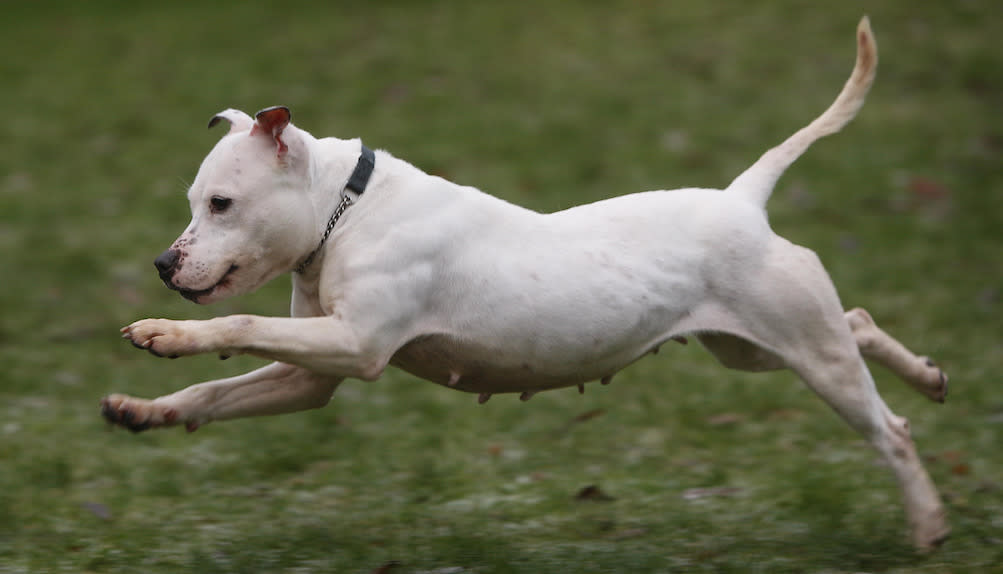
(593, 493)
(386, 568)
(961, 469)
(784, 414)
(926, 189)
(951, 457)
(931, 197)
(697, 493)
(588, 415)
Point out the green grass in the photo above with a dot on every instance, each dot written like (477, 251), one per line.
(547, 104)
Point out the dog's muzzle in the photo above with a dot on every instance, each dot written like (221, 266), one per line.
(168, 263)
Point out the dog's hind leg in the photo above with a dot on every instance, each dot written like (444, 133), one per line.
(840, 377)
(274, 389)
(791, 307)
(920, 373)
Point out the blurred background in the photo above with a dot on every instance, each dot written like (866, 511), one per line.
(546, 104)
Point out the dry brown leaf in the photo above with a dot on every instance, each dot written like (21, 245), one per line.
(387, 567)
(589, 415)
(593, 493)
(961, 469)
(784, 414)
(925, 189)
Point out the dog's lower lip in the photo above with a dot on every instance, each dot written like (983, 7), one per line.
(193, 295)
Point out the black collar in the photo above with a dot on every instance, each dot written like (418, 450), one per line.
(363, 170)
(357, 182)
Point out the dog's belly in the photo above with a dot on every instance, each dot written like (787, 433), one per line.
(441, 359)
(467, 367)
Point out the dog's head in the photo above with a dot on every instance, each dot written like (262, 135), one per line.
(251, 217)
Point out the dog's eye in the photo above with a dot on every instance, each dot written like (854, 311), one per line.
(219, 204)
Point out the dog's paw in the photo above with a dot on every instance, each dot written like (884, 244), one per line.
(930, 531)
(137, 414)
(931, 380)
(161, 337)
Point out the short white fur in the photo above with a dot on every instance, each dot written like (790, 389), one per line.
(483, 296)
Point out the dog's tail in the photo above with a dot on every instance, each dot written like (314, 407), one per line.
(758, 181)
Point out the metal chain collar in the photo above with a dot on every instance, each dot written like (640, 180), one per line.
(356, 182)
(345, 202)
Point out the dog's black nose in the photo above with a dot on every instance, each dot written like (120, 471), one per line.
(166, 263)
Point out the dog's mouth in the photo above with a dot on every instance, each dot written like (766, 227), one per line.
(194, 295)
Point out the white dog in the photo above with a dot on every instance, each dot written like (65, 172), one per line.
(398, 267)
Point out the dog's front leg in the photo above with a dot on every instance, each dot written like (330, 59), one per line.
(321, 344)
(274, 389)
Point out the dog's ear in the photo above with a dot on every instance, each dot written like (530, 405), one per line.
(270, 122)
(239, 121)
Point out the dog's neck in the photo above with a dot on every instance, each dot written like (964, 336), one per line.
(355, 185)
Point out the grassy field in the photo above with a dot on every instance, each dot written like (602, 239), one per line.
(547, 104)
